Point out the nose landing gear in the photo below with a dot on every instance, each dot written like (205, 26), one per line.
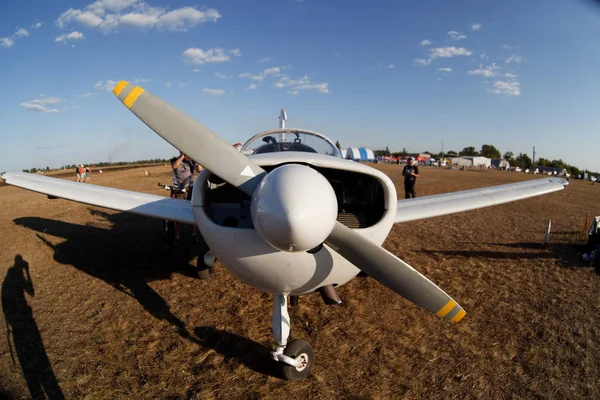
(297, 357)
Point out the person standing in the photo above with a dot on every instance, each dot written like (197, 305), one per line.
(183, 178)
(88, 172)
(410, 174)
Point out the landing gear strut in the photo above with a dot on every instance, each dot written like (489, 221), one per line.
(297, 357)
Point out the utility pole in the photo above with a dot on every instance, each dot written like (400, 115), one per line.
(442, 149)
(533, 160)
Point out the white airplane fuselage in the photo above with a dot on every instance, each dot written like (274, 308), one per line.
(226, 224)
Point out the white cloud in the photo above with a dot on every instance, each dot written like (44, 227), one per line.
(21, 32)
(510, 76)
(85, 95)
(506, 88)
(286, 81)
(9, 41)
(65, 37)
(456, 35)
(168, 84)
(514, 58)
(484, 56)
(39, 104)
(320, 87)
(196, 70)
(220, 75)
(487, 72)
(271, 71)
(507, 47)
(141, 80)
(37, 25)
(109, 15)
(390, 66)
(214, 92)
(6, 42)
(476, 26)
(445, 69)
(423, 61)
(252, 86)
(183, 84)
(106, 85)
(263, 60)
(336, 54)
(248, 75)
(303, 83)
(425, 43)
(195, 55)
(448, 52)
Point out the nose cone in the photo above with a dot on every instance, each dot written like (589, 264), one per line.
(294, 208)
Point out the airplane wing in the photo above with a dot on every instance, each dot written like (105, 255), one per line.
(116, 199)
(450, 203)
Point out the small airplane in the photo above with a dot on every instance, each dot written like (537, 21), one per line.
(287, 214)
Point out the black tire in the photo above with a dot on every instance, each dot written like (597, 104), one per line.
(298, 348)
(204, 272)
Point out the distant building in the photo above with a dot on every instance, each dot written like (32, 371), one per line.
(482, 162)
(500, 163)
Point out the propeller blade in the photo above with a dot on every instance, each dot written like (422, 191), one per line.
(393, 272)
(191, 137)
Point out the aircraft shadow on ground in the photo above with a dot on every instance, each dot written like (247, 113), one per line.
(127, 256)
(241, 349)
(23, 332)
(567, 255)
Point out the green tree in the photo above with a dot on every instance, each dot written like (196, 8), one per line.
(451, 153)
(508, 156)
(338, 145)
(489, 151)
(523, 161)
(387, 151)
(469, 151)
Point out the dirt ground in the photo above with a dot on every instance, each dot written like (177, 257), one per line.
(107, 313)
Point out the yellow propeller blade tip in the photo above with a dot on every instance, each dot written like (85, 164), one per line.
(459, 316)
(119, 87)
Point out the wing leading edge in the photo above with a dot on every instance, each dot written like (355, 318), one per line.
(116, 199)
(450, 203)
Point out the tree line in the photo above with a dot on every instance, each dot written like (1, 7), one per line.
(521, 160)
(104, 164)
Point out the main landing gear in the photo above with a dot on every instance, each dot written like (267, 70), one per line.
(297, 357)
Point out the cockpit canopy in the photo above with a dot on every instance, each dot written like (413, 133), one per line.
(280, 140)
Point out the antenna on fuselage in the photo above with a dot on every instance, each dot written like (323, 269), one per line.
(282, 119)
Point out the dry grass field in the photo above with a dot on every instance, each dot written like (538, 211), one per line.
(108, 314)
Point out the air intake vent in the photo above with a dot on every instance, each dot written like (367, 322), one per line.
(352, 220)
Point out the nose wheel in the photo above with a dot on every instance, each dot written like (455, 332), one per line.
(297, 357)
(302, 353)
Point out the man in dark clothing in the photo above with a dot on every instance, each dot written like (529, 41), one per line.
(183, 178)
(410, 174)
(183, 172)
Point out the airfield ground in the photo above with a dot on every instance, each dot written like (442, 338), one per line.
(113, 316)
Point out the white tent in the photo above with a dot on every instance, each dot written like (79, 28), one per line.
(472, 161)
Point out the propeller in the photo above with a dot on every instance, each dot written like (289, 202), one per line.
(202, 145)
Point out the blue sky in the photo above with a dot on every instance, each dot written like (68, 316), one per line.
(405, 74)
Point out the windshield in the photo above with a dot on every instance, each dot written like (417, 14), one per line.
(290, 140)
